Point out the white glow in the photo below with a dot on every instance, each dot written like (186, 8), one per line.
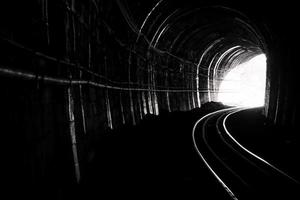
(245, 84)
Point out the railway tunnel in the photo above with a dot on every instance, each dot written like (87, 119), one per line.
(74, 73)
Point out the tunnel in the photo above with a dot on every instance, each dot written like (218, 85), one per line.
(98, 92)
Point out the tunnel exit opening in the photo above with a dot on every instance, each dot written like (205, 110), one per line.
(245, 84)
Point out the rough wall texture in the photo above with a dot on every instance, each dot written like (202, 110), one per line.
(73, 70)
(69, 74)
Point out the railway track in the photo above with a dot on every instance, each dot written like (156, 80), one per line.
(242, 173)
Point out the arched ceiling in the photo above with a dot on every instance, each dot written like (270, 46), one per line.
(199, 41)
(206, 38)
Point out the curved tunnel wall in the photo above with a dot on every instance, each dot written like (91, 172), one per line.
(73, 70)
(170, 60)
(198, 45)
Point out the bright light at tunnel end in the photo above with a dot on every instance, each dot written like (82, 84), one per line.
(244, 85)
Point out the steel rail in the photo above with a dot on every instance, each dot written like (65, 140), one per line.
(223, 184)
(251, 153)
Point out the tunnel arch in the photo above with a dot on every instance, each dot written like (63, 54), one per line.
(200, 43)
(74, 71)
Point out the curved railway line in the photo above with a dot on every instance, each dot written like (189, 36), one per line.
(242, 173)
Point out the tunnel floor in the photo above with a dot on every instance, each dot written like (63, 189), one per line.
(157, 158)
(278, 145)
